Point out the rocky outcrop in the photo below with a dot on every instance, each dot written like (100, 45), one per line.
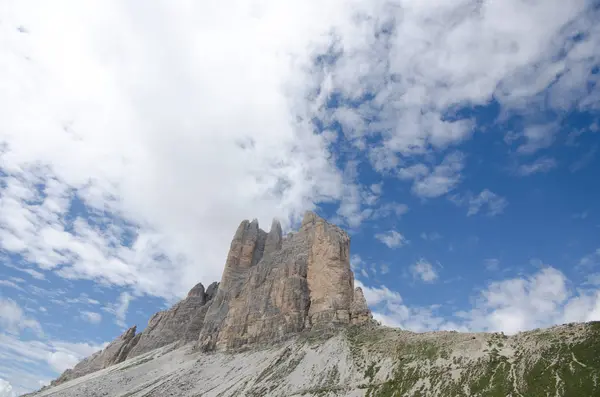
(181, 323)
(359, 310)
(114, 353)
(272, 287)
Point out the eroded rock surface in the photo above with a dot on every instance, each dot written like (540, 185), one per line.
(114, 353)
(181, 323)
(272, 287)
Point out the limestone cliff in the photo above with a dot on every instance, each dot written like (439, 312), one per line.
(273, 287)
(181, 323)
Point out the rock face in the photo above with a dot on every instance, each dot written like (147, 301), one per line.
(272, 287)
(181, 323)
(114, 353)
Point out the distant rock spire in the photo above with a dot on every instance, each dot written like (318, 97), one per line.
(274, 238)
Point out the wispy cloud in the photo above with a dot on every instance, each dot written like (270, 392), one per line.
(486, 199)
(392, 239)
(436, 181)
(591, 260)
(541, 165)
(119, 308)
(538, 137)
(14, 320)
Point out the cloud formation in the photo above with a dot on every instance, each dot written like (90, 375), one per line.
(392, 239)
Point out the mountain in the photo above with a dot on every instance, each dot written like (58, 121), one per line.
(286, 320)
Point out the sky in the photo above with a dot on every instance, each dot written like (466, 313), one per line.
(456, 141)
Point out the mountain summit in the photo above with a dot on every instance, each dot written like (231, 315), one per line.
(272, 287)
(286, 320)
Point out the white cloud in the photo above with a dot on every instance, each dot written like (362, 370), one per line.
(6, 389)
(389, 308)
(435, 182)
(384, 269)
(140, 127)
(541, 165)
(538, 300)
(392, 239)
(14, 320)
(57, 355)
(91, 317)
(538, 137)
(163, 139)
(355, 262)
(593, 279)
(11, 284)
(32, 272)
(388, 209)
(119, 309)
(424, 271)
(495, 203)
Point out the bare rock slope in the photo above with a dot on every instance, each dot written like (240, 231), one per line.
(364, 360)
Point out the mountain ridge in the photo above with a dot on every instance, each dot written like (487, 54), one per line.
(287, 307)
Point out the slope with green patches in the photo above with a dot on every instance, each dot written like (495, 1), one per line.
(365, 360)
(560, 361)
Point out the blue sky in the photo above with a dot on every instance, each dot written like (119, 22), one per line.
(456, 141)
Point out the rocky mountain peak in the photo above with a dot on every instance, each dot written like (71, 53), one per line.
(271, 288)
(197, 290)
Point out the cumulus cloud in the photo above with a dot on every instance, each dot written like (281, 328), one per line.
(392, 239)
(6, 389)
(538, 300)
(139, 136)
(424, 271)
(511, 305)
